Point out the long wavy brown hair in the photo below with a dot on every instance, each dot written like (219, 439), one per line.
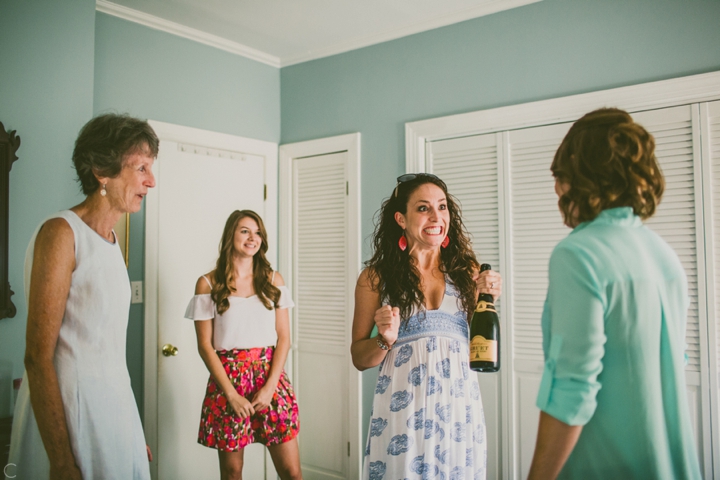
(224, 275)
(393, 272)
(608, 161)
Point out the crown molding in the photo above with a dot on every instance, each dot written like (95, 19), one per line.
(486, 8)
(173, 28)
(157, 23)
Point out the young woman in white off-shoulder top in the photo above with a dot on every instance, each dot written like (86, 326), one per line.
(243, 330)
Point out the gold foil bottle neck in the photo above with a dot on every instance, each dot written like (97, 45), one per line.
(484, 306)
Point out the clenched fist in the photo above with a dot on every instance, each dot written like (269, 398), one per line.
(387, 319)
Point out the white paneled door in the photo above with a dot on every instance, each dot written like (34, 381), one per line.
(197, 188)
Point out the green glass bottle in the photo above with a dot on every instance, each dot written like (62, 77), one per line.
(485, 334)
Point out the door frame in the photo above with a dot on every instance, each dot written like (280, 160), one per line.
(349, 143)
(214, 143)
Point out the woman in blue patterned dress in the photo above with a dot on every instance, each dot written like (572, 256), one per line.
(417, 290)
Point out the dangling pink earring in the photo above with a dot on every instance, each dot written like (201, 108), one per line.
(446, 242)
(402, 243)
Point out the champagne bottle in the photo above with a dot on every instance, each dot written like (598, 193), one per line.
(485, 334)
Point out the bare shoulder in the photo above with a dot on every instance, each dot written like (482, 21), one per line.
(202, 287)
(278, 281)
(55, 238)
(368, 280)
(57, 228)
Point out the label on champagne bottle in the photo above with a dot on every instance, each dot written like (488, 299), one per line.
(482, 349)
(484, 306)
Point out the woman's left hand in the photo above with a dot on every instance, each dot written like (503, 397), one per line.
(262, 398)
(490, 282)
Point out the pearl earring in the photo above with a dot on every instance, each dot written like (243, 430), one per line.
(103, 192)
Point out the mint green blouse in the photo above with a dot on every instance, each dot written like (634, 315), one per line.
(614, 342)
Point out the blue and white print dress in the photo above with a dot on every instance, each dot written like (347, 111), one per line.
(427, 420)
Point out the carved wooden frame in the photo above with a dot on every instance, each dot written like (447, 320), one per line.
(9, 144)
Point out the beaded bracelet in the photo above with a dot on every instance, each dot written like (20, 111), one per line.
(382, 344)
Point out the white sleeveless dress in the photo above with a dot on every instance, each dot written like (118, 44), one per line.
(104, 426)
(427, 420)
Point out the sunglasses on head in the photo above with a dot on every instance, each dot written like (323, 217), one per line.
(412, 176)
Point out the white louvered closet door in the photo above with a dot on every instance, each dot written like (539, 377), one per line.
(678, 220)
(713, 154)
(710, 115)
(506, 189)
(469, 167)
(320, 287)
(675, 218)
(535, 226)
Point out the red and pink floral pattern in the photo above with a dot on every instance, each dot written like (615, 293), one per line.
(222, 429)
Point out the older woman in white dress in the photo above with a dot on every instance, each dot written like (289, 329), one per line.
(76, 416)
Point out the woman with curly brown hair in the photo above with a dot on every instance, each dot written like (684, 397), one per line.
(418, 290)
(613, 399)
(243, 331)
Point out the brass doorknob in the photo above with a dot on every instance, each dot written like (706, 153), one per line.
(169, 350)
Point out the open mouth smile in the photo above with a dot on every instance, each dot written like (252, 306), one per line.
(438, 230)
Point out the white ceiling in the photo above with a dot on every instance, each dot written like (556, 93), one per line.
(285, 32)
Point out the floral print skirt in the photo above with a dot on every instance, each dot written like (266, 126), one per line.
(222, 429)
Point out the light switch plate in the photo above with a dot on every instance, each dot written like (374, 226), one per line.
(137, 292)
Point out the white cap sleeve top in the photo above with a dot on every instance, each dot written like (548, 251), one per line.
(246, 324)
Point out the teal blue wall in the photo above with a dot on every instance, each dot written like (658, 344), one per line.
(155, 75)
(548, 49)
(62, 63)
(46, 94)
